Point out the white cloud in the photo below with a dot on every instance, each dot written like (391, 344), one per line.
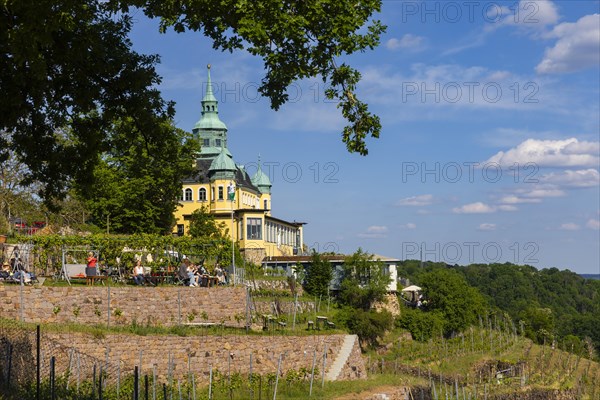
(573, 178)
(374, 232)
(542, 192)
(550, 153)
(409, 225)
(408, 41)
(486, 227)
(569, 226)
(377, 229)
(474, 208)
(482, 208)
(530, 14)
(593, 224)
(416, 201)
(578, 46)
(512, 199)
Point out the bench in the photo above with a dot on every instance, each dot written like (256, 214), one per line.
(330, 325)
(311, 325)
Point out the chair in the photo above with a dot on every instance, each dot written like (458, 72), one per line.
(182, 278)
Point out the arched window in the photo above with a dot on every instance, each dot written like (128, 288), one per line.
(202, 194)
(187, 195)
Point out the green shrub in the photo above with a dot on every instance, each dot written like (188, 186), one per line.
(422, 325)
(368, 325)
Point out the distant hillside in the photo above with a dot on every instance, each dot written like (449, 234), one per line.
(590, 276)
(545, 304)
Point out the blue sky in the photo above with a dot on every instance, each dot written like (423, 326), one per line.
(489, 150)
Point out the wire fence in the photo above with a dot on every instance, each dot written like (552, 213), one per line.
(34, 366)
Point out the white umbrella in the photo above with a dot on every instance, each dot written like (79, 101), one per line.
(412, 288)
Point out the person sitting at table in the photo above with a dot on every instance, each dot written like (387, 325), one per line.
(22, 274)
(193, 274)
(186, 272)
(202, 270)
(226, 275)
(219, 274)
(138, 273)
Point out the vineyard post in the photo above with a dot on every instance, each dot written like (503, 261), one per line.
(78, 372)
(108, 303)
(210, 376)
(324, 363)
(312, 373)
(277, 377)
(52, 378)
(100, 384)
(154, 382)
(146, 387)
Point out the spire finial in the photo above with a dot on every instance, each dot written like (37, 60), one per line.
(209, 96)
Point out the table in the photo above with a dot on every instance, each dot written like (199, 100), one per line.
(89, 280)
(321, 320)
(157, 279)
(208, 281)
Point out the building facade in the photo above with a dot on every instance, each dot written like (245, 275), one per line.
(226, 190)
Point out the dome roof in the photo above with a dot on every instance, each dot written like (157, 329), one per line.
(222, 162)
(210, 120)
(261, 180)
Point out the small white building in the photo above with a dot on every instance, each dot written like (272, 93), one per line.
(285, 265)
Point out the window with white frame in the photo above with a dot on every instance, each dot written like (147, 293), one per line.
(202, 194)
(187, 194)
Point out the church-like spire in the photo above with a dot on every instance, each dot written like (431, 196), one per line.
(209, 96)
(211, 131)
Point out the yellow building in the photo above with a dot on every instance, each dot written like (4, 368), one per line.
(225, 189)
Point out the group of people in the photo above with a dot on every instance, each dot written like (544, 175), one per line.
(15, 271)
(194, 273)
(188, 272)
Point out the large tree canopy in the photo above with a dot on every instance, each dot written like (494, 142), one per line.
(68, 71)
(295, 38)
(138, 182)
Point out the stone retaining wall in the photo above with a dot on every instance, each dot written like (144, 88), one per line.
(274, 284)
(153, 306)
(198, 353)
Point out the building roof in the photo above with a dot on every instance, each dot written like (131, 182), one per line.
(201, 175)
(261, 180)
(328, 257)
(295, 223)
(222, 162)
(209, 121)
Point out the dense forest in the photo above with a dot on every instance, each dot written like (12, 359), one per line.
(547, 305)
